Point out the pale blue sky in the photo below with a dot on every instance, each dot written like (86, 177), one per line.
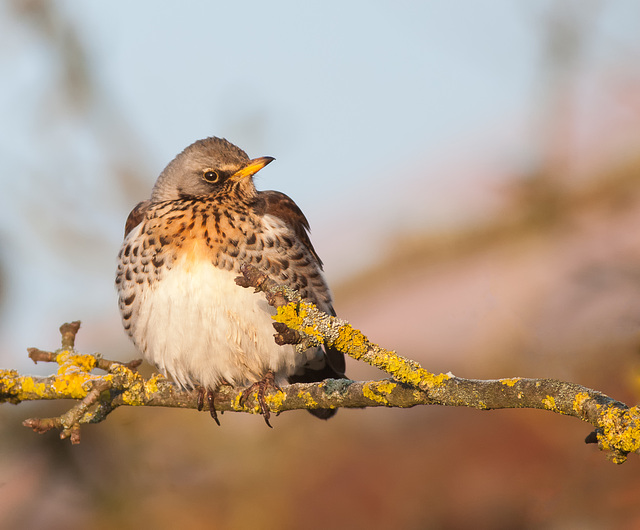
(354, 99)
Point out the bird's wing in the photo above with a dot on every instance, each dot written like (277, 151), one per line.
(283, 207)
(136, 216)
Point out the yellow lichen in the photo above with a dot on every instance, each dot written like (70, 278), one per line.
(73, 373)
(355, 344)
(151, 386)
(620, 431)
(376, 391)
(133, 383)
(405, 371)
(550, 403)
(71, 385)
(68, 360)
(8, 380)
(439, 379)
(134, 396)
(8, 373)
(236, 402)
(29, 386)
(579, 400)
(511, 381)
(350, 341)
(387, 387)
(293, 315)
(275, 400)
(307, 398)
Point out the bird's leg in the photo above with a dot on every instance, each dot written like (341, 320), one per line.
(261, 387)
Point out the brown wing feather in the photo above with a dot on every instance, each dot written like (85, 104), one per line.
(281, 206)
(136, 216)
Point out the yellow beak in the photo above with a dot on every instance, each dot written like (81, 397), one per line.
(252, 168)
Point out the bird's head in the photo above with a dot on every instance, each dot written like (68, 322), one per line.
(208, 167)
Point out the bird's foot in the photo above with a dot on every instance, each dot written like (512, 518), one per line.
(210, 395)
(261, 387)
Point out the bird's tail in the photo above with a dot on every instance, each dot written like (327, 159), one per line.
(333, 369)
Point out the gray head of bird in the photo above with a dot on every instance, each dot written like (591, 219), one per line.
(208, 167)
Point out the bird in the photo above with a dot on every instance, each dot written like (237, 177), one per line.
(183, 249)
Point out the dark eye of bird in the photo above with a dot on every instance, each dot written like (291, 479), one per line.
(210, 175)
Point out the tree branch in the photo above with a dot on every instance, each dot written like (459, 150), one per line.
(300, 323)
(617, 426)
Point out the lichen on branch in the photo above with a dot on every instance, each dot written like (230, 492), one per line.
(617, 427)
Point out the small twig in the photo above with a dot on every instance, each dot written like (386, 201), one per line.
(69, 332)
(106, 365)
(286, 335)
(70, 421)
(37, 355)
(276, 294)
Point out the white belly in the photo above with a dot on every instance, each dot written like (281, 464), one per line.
(199, 327)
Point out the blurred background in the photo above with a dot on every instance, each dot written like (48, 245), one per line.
(471, 173)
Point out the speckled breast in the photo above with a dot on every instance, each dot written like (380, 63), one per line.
(179, 301)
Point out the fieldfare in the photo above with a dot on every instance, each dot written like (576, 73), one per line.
(182, 251)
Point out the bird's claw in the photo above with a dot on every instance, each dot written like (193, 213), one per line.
(202, 391)
(261, 387)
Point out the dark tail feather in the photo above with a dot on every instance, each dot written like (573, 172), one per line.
(323, 414)
(333, 369)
